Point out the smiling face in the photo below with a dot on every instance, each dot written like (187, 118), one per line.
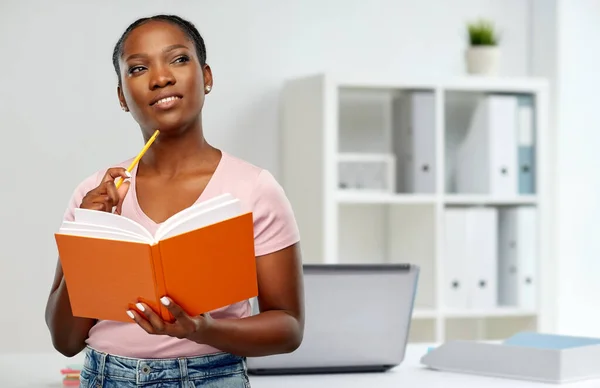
(162, 80)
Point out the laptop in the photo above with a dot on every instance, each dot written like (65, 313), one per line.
(357, 320)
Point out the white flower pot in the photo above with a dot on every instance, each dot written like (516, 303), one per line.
(483, 60)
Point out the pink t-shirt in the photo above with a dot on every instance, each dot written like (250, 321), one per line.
(274, 228)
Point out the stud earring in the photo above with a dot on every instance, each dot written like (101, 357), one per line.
(124, 108)
(207, 88)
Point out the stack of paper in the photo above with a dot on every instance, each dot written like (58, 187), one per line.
(71, 375)
(548, 358)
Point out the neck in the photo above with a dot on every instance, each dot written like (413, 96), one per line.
(181, 151)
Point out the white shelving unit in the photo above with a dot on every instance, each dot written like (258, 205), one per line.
(367, 190)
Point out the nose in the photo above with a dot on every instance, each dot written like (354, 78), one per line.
(161, 77)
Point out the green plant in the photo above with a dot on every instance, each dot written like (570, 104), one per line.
(482, 33)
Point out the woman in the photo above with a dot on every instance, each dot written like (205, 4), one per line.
(162, 81)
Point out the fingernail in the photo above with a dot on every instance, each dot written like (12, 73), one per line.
(130, 314)
(128, 174)
(164, 300)
(140, 307)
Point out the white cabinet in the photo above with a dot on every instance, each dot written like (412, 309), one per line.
(379, 171)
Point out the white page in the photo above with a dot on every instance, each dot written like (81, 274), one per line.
(68, 225)
(199, 220)
(108, 235)
(95, 217)
(186, 213)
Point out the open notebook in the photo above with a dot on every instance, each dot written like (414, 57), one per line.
(202, 257)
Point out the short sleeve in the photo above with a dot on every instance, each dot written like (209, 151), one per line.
(80, 191)
(275, 225)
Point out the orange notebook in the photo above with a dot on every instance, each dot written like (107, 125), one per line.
(202, 257)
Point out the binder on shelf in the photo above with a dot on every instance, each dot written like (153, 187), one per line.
(526, 145)
(202, 257)
(482, 255)
(529, 356)
(517, 261)
(486, 159)
(454, 263)
(414, 142)
(470, 264)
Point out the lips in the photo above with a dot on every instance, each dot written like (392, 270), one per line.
(165, 99)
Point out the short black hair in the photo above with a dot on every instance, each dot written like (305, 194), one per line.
(185, 25)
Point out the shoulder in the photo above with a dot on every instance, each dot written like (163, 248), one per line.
(251, 183)
(88, 183)
(274, 221)
(240, 170)
(248, 181)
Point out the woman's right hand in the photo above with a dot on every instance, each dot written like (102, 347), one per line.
(106, 196)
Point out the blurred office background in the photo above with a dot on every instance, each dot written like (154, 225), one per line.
(61, 121)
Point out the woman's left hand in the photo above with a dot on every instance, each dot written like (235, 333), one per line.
(184, 326)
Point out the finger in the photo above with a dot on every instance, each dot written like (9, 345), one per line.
(100, 206)
(141, 321)
(155, 321)
(122, 190)
(102, 199)
(112, 193)
(181, 317)
(114, 173)
(94, 202)
(174, 308)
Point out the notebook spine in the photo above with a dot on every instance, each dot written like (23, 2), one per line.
(161, 287)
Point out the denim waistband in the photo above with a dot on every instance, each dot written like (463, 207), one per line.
(156, 370)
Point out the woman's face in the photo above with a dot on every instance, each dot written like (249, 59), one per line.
(163, 83)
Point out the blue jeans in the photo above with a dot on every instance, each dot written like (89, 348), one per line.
(220, 370)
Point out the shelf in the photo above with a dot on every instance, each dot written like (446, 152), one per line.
(422, 330)
(364, 157)
(446, 174)
(351, 196)
(489, 328)
(474, 200)
(497, 312)
(466, 83)
(496, 84)
(359, 196)
(425, 314)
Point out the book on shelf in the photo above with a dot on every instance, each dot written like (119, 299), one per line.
(202, 257)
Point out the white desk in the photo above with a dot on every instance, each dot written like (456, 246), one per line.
(43, 371)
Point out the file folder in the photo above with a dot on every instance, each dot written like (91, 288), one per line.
(414, 142)
(486, 159)
(455, 255)
(517, 259)
(470, 258)
(482, 255)
(526, 145)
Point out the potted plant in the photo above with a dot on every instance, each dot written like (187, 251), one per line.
(483, 54)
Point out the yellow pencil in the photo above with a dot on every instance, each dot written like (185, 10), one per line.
(137, 158)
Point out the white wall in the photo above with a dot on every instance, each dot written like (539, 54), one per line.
(578, 142)
(58, 102)
(561, 34)
(543, 63)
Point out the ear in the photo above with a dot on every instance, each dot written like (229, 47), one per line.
(208, 78)
(122, 99)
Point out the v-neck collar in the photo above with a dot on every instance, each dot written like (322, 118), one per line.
(138, 208)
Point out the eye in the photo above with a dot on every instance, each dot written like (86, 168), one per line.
(135, 69)
(182, 59)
